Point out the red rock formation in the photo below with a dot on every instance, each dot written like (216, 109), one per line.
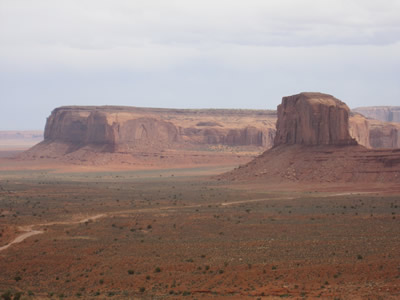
(321, 164)
(313, 119)
(67, 125)
(141, 131)
(126, 125)
(381, 113)
(384, 135)
(359, 129)
(374, 134)
(313, 145)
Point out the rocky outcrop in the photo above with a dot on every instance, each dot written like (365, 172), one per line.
(374, 134)
(101, 127)
(384, 135)
(313, 144)
(313, 119)
(382, 113)
(320, 119)
(383, 126)
(306, 119)
(359, 129)
(138, 131)
(136, 126)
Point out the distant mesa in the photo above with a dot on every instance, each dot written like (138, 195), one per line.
(313, 144)
(104, 134)
(133, 135)
(381, 113)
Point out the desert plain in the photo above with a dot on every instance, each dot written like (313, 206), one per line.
(186, 232)
(165, 234)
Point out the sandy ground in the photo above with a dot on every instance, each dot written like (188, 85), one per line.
(180, 233)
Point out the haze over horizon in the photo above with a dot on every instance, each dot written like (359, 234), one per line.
(193, 54)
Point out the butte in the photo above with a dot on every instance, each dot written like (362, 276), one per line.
(313, 145)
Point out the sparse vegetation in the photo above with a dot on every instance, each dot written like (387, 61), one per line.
(123, 247)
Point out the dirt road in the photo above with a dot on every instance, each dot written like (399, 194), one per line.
(31, 231)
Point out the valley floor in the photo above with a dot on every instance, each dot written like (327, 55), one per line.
(172, 233)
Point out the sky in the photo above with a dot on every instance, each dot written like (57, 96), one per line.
(193, 54)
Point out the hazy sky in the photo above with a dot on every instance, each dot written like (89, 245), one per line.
(193, 53)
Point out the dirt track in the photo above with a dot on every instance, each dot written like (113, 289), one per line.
(30, 231)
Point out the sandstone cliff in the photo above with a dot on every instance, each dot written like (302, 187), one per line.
(382, 113)
(384, 135)
(76, 133)
(359, 129)
(121, 126)
(374, 134)
(152, 131)
(125, 127)
(313, 144)
(384, 126)
(313, 119)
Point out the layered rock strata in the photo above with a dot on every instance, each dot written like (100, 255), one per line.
(381, 113)
(78, 131)
(148, 131)
(121, 126)
(313, 119)
(374, 134)
(313, 144)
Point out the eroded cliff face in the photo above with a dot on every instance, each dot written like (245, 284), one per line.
(78, 134)
(381, 113)
(313, 119)
(374, 134)
(124, 129)
(359, 129)
(67, 125)
(313, 144)
(384, 135)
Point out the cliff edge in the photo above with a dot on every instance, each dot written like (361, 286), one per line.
(100, 134)
(313, 119)
(381, 113)
(313, 144)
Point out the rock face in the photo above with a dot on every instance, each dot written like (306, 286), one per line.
(359, 128)
(148, 131)
(382, 113)
(122, 126)
(384, 135)
(97, 126)
(313, 119)
(313, 144)
(74, 132)
(384, 126)
(374, 134)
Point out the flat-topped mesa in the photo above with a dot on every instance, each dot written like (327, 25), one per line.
(123, 129)
(381, 113)
(313, 119)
